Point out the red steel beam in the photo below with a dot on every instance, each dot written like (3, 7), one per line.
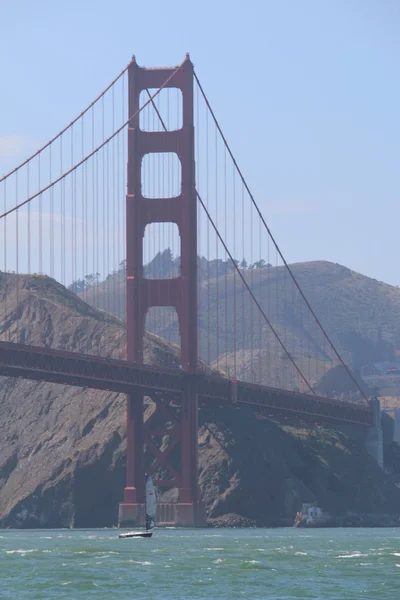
(43, 364)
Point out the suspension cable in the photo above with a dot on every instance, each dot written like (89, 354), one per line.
(275, 243)
(252, 295)
(95, 151)
(49, 143)
(237, 268)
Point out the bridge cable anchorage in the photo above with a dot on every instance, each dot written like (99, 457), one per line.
(55, 138)
(275, 243)
(210, 220)
(94, 152)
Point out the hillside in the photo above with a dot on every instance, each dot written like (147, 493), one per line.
(62, 449)
(361, 315)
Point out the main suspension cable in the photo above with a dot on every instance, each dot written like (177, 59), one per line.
(95, 151)
(252, 295)
(235, 265)
(55, 138)
(275, 243)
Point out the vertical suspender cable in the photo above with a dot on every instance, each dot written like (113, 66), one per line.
(52, 248)
(226, 304)
(243, 294)
(293, 331)
(198, 258)
(267, 333)
(103, 183)
(252, 287)
(208, 249)
(234, 275)
(118, 240)
(94, 204)
(73, 213)
(251, 293)
(309, 345)
(277, 285)
(260, 348)
(276, 245)
(17, 281)
(114, 212)
(301, 338)
(83, 201)
(284, 370)
(5, 256)
(40, 229)
(29, 251)
(216, 251)
(123, 191)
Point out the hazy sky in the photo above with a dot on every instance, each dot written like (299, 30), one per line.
(307, 92)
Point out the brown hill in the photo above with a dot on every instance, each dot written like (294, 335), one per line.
(361, 315)
(62, 449)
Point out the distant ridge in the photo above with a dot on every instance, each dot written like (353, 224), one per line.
(360, 314)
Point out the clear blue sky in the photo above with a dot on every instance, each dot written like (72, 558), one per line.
(307, 91)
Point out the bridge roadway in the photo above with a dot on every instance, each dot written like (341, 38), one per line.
(43, 364)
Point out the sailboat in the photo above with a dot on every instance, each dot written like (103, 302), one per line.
(150, 507)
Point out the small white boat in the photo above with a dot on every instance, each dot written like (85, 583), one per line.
(151, 507)
(136, 534)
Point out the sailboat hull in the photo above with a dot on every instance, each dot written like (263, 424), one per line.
(136, 534)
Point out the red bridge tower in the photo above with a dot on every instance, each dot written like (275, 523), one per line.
(180, 293)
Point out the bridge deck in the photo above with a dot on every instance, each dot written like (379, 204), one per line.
(56, 366)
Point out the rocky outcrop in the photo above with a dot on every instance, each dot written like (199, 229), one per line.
(231, 520)
(62, 449)
(264, 471)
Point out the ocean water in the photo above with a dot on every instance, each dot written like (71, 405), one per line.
(181, 564)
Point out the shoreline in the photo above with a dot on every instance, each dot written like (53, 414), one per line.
(231, 521)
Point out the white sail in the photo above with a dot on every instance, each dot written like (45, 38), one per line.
(151, 503)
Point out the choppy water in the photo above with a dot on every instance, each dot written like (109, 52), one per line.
(178, 564)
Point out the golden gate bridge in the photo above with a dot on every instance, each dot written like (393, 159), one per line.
(140, 207)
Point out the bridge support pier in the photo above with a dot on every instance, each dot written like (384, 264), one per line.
(374, 435)
(181, 428)
(168, 514)
(132, 510)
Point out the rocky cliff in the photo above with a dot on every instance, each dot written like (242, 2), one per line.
(62, 449)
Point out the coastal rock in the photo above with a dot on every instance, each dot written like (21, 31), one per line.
(231, 520)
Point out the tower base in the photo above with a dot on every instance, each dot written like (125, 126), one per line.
(178, 514)
(131, 515)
